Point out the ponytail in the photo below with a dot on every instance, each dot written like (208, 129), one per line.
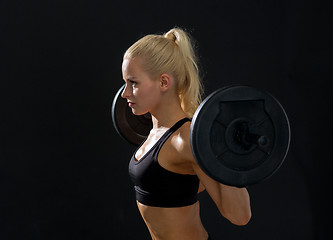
(172, 53)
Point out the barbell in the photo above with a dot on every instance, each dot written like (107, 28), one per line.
(239, 135)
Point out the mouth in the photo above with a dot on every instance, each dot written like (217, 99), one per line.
(130, 104)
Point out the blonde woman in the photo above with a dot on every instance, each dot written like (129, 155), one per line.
(161, 76)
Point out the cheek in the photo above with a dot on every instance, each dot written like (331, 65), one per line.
(148, 95)
(146, 98)
(152, 93)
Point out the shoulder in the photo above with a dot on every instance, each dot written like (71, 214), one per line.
(180, 141)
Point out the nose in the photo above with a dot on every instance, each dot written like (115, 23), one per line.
(126, 92)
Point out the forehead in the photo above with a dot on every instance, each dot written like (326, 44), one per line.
(131, 65)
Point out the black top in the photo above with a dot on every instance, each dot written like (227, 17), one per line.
(157, 186)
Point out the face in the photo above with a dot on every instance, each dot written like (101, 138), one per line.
(141, 91)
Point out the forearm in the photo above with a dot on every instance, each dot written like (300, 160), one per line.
(235, 204)
(232, 202)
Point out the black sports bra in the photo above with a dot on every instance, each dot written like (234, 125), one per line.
(157, 186)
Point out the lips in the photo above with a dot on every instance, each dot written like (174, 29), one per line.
(131, 104)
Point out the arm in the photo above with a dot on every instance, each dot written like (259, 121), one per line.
(232, 202)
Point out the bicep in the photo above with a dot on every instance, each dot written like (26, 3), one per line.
(232, 202)
(206, 182)
(211, 186)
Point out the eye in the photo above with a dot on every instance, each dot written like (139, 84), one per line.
(133, 82)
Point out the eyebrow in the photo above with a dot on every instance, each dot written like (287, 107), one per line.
(130, 78)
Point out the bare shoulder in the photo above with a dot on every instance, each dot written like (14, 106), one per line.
(176, 154)
(181, 142)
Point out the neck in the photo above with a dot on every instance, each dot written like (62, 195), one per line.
(167, 115)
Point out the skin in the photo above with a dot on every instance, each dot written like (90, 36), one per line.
(158, 97)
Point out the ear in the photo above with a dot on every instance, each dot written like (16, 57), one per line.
(165, 81)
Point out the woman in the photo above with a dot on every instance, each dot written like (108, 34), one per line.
(161, 76)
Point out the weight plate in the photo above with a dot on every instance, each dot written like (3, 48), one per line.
(240, 135)
(133, 128)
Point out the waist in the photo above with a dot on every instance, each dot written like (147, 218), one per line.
(174, 223)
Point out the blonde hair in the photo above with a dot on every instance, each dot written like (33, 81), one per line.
(172, 53)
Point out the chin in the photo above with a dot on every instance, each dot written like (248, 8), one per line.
(138, 113)
(135, 112)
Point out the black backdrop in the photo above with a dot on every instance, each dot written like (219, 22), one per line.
(63, 168)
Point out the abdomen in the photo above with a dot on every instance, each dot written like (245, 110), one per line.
(174, 223)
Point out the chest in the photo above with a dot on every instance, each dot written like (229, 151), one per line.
(153, 178)
(148, 144)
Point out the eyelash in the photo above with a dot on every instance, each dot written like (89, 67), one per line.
(133, 82)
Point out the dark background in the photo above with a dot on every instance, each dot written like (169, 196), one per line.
(63, 168)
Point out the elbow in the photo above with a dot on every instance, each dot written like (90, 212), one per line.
(242, 220)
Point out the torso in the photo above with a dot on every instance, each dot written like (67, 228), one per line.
(171, 223)
(168, 157)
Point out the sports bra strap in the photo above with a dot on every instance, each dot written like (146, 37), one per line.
(170, 131)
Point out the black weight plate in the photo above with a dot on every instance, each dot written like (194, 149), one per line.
(133, 128)
(214, 140)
